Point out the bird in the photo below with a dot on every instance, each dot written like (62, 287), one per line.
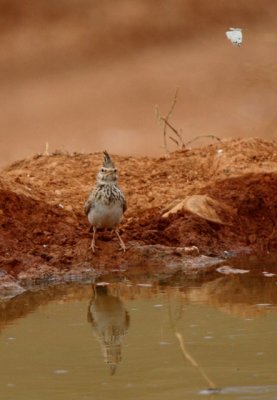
(106, 202)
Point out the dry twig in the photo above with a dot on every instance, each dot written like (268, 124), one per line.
(179, 141)
(203, 136)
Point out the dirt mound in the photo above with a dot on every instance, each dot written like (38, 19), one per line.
(34, 232)
(250, 224)
(41, 205)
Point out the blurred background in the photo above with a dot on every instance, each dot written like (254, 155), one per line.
(85, 75)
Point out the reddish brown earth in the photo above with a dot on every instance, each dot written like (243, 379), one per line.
(43, 229)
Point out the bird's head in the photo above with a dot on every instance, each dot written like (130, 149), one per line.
(108, 172)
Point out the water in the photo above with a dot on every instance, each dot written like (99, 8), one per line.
(128, 341)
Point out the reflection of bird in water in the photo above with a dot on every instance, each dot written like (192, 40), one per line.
(110, 323)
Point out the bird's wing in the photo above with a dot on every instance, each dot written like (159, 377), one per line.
(89, 204)
(124, 204)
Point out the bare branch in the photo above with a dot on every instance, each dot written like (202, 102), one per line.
(160, 119)
(169, 125)
(203, 136)
(173, 104)
(157, 113)
(175, 141)
(179, 142)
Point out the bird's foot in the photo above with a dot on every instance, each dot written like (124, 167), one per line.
(122, 244)
(93, 247)
(122, 247)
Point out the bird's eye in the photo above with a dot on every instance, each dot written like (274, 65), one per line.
(115, 170)
(102, 170)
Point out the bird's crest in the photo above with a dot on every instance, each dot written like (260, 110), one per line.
(107, 162)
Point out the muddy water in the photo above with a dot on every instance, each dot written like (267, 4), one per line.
(137, 341)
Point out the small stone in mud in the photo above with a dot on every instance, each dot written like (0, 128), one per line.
(10, 289)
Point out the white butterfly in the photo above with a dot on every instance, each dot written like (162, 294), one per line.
(235, 36)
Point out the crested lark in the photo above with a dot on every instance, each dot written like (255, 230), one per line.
(106, 202)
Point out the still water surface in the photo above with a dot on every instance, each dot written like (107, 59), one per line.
(135, 341)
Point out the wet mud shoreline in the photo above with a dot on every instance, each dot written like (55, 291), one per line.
(187, 211)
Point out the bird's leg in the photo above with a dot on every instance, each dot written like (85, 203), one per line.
(122, 245)
(92, 246)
